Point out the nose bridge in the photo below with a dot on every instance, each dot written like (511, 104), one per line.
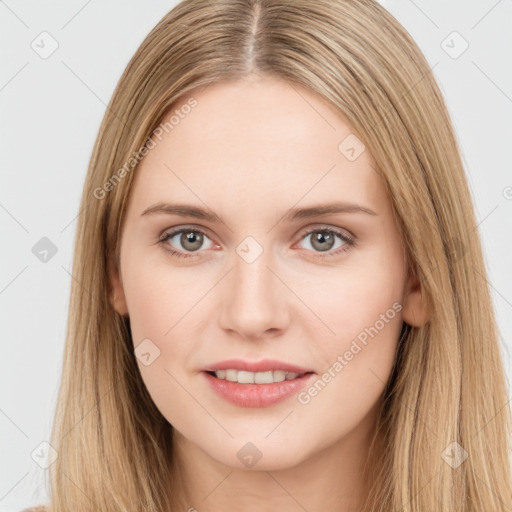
(254, 304)
(251, 272)
(253, 279)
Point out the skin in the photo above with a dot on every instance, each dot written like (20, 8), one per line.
(251, 150)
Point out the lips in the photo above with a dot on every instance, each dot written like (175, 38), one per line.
(256, 384)
(256, 395)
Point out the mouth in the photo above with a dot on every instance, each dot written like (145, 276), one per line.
(244, 388)
(247, 377)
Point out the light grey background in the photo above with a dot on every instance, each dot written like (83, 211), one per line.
(51, 111)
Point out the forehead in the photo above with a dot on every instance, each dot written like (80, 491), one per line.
(256, 142)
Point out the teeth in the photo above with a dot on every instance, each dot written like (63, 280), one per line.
(244, 377)
(232, 375)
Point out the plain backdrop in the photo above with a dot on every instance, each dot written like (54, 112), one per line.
(51, 109)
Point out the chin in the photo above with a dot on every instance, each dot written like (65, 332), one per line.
(259, 455)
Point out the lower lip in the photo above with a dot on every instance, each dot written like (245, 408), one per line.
(256, 395)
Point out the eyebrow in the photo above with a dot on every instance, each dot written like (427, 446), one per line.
(185, 210)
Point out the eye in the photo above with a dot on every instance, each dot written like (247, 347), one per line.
(190, 239)
(323, 240)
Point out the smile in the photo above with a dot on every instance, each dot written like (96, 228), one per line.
(246, 389)
(246, 377)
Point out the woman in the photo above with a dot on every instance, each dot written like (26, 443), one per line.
(279, 296)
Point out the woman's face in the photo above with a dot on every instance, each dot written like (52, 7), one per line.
(268, 279)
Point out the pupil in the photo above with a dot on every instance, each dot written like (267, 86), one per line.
(191, 238)
(320, 239)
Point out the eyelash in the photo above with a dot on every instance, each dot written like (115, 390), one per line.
(349, 241)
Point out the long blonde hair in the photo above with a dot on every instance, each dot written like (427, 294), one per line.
(448, 384)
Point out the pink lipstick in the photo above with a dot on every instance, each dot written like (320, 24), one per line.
(256, 384)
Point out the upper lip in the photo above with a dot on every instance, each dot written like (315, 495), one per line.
(264, 365)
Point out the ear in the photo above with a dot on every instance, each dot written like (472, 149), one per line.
(117, 298)
(415, 311)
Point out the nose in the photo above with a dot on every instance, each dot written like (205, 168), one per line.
(254, 302)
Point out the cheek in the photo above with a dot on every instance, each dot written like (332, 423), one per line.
(158, 296)
(151, 306)
(166, 308)
(350, 299)
(161, 303)
(358, 362)
(362, 308)
(367, 324)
